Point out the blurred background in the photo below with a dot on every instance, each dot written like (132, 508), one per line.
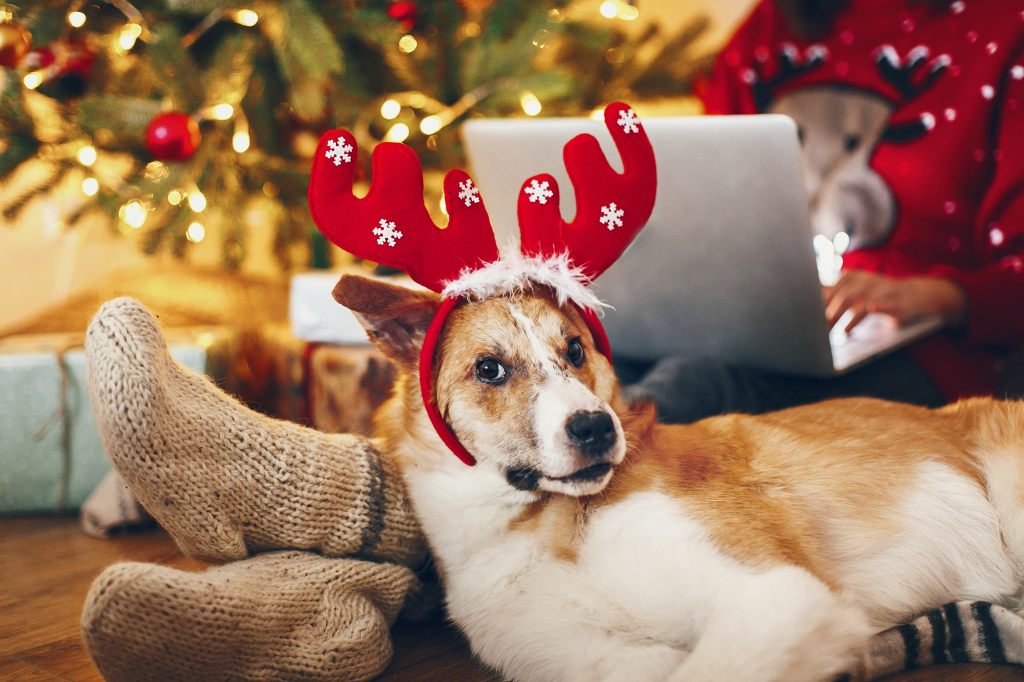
(161, 150)
(146, 144)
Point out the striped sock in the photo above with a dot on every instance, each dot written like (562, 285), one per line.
(959, 632)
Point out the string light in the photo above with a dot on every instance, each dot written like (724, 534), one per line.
(609, 9)
(240, 140)
(174, 197)
(197, 201)
(531, 105)
(221, 112)
(76, 19)
(90, 186)
(397, 133)
(195, 232)
(33, 79)
(133, 214)
(87, 155)
(617, 9)
(407, 44)
(431, 124)
(390, 109)
(245, 17)
(128, 35)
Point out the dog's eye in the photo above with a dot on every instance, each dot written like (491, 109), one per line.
(575, 352)
(851, 142)
(490, 371)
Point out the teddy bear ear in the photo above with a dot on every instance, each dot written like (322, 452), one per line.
(395, 317)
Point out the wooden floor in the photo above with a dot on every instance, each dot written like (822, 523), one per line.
(46, 566)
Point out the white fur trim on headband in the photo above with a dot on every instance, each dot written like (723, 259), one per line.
(514, 273)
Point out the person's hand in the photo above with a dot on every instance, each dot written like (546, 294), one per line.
(863, 293)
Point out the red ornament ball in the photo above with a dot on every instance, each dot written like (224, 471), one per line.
(405, 13)
(15, 42)
(173, 136)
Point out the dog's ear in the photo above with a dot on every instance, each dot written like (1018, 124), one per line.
(395, 317)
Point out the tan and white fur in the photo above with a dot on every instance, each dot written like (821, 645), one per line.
(737, 548)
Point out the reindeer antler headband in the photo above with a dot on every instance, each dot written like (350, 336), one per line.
(390, 225)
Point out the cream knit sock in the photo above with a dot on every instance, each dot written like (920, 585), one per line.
(224, 480)
(276, 616)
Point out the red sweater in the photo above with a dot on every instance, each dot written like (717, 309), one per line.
(940, 121)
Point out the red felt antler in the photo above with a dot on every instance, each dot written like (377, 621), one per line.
(611, 207)
(390, 225)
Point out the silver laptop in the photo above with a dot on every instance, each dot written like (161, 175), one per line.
(725, 266)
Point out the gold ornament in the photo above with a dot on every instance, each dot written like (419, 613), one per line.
(15, 42)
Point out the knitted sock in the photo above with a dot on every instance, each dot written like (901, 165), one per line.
(223, 480)
(276, 616)
(960, 632)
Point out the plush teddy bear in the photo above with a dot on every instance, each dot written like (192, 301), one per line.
(315, 539)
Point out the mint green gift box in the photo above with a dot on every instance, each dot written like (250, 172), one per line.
(51, 457)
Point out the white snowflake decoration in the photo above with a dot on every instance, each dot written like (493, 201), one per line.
(611, 216)
(628, 121)
(387, 233)
(987, 91)
(1017, 72)
(539, 192)
(469, 193)
(338, 151)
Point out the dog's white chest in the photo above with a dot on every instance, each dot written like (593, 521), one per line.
(644, 570)
(656, 566)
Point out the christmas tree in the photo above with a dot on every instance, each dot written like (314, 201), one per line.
(177, 115)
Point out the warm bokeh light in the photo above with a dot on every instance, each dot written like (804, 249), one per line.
(134, 214)
(531, 105)
(33, 79)
(76, 19)
(90, 186)
(245, 17)
(197, 201)
(390, 109)
(609, 9)
(407, 44)
(174, 197)
(431, 124)
(397, 133)
(87, 155)
(240, 141)
(196, 232)
(128, 35)
(222, 112)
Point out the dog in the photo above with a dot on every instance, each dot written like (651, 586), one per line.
(591, 542)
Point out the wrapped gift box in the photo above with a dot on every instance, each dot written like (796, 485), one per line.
(332, 387)
(315, 315)
(50, 453)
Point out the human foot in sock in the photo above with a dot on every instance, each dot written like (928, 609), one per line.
(276, 616)
(224, 480)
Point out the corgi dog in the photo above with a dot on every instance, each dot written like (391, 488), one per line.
(585, 541)
(590, 542)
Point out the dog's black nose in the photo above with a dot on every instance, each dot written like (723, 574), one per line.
(592, 432)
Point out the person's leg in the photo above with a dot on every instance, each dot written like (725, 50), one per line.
(225, 481)
(279, 615)
(686, 389)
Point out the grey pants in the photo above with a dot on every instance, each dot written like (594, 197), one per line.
(689, 389)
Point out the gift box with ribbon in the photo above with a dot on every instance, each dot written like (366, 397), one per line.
(51, 457)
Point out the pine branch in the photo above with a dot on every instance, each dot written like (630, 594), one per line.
(45, 23)
(174, 68)
(307, 54)
(56, 173)
(127, 117)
